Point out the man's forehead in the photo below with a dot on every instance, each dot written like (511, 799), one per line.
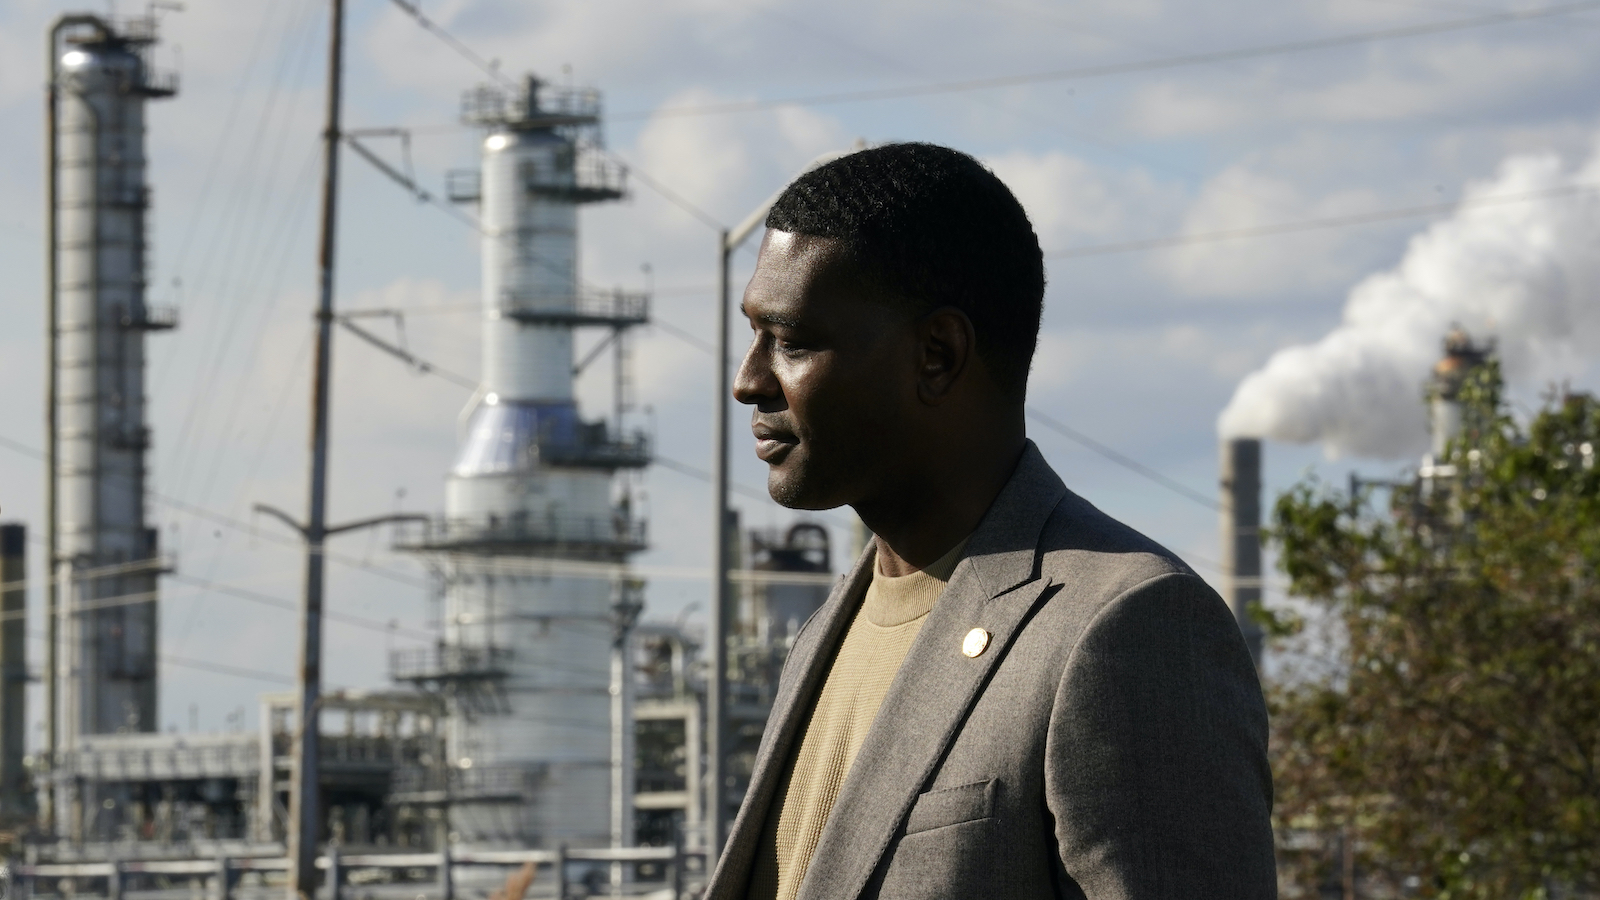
(790, 266)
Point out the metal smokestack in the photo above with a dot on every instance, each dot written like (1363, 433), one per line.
(1462, 357)
(1241, 535)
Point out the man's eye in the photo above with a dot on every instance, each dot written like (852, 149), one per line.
(788, 349)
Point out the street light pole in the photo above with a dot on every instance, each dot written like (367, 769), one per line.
(728, 240)
(717, 683)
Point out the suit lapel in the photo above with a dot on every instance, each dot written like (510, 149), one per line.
(994, 588)
(803, 674)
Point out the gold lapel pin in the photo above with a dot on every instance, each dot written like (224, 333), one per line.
(976, 642)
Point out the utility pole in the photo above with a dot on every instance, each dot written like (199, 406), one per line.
(716, 656)
(304, 816)
(728, 240)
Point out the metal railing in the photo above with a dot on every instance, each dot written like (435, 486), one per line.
(235, 758)
(632, 451)
(152, 318)
(595, 177)
(482, 784)
(593, 306)
(449, 663)
(490, 105)
(520, 531)
(222, 872)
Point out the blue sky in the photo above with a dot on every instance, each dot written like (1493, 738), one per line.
(1141, 350)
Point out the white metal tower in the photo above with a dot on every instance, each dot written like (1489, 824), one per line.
(524, 653)
(105, 554)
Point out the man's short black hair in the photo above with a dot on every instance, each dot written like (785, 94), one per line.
(932, 227)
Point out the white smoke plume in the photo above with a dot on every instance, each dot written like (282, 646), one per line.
(1524, 272)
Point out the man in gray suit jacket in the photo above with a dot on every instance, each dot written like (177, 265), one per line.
(1012, 694)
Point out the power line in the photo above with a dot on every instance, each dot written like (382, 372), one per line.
(682, 335)
(1410, 212)
(1101, 71)
(434, 29)
(1123, 460)
(273, 537)
(280, 603)
(223, 669)
(407, 357)
(409, 183)
(203, 665)
(671, 196)
(494, 72)
(427, 368)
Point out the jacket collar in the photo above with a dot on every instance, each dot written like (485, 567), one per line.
(1003, 552)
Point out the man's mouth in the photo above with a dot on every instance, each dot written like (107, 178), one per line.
(772, 444)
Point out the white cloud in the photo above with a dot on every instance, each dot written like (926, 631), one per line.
(1385, 82)
(1243, 197)
(1072, 201)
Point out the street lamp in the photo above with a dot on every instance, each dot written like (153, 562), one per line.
(728, 240)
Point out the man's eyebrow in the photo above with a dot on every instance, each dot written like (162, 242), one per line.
(770, 319)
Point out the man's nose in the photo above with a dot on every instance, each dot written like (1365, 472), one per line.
(754, 384)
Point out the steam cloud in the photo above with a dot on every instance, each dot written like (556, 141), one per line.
(1525, 273)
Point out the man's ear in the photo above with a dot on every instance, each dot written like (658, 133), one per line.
(946, 344)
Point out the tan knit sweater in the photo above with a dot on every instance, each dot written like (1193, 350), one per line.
(868, 659)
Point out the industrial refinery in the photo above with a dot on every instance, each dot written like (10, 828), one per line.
(551, 721)
(546, 725)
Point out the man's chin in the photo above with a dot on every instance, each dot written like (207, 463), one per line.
(793, 490)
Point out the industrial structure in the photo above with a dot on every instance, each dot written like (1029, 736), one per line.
(1463, 357)
(545, 725)
(1448, 420)
(522, 661)
(104, 557)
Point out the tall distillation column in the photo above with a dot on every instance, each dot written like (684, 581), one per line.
(107, 559)
(523, 659)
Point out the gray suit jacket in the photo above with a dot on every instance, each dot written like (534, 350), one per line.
(1109, 743)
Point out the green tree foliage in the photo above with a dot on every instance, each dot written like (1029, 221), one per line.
(1453, 726)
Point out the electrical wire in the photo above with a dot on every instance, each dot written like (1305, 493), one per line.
(291, 606)
(224, 669)
(682, 335)
(283, 241)
(252, 190)
(427, 368)
(1123, 460)
(428, 25)
(1110, 69)
(1367, 218)
(671, 196)
(493, 71)
(221, 144)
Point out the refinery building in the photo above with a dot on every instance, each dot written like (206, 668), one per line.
(550, 722)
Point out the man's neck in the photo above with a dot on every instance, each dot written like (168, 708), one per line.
(928, 515)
